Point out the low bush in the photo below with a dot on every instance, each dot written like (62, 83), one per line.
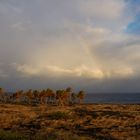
(58, 115)
(8, 135)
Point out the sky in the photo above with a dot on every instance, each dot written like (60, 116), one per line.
(92, 45)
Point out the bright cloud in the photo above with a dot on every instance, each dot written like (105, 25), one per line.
(103, 9)
(80, 71)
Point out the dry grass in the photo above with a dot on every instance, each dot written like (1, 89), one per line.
(86, 122)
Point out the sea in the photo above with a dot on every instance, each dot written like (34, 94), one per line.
(114, 98)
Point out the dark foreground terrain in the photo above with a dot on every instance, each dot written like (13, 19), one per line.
(78, 122)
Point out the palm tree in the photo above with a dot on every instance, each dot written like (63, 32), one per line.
(59, 97)
(30, 96)
(80, 96)
(69, 91)
(1, 94)
(17, 95)
(73, 97)
(62, 97)
(36, 95)
(1, 90)
(43, 96)
(50, 95)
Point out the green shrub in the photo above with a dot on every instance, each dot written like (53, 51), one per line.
(58, 115)
(52, 136)
(8, 135)
(60, 136)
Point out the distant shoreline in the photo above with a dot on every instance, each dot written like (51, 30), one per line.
(111, 104)
(118, 98)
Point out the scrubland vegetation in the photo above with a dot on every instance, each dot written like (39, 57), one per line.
(66, 118)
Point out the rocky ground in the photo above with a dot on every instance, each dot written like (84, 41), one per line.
(77, 122)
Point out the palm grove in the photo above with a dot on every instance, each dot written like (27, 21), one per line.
(48, 96)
